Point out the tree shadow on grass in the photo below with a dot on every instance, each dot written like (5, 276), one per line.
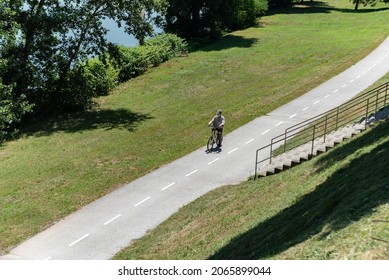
(230, 41)
(348, 195)
(306, 7)
(95, 119)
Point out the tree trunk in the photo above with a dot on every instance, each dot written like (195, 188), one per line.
(142, 15)
(74, 54)
(21, 77)
(356, 5)
(31, 29)
(196, 6)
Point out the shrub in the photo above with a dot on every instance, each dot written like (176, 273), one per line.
(261, 7)
(244, 14)
(171, 45)
(102, 77)
(12, 109)
(83, 83)
(77, 90)
(133, 62)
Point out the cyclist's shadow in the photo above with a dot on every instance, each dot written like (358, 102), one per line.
(216, 150)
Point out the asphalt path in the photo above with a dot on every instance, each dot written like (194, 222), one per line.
(102, 228)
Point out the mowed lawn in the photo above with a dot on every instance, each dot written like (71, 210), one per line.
(60, 164)
(334, 206)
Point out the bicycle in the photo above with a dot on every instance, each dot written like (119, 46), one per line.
(213, 139)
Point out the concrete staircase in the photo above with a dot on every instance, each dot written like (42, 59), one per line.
(320, 145)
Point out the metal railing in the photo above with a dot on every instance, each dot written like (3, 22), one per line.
(356, 110)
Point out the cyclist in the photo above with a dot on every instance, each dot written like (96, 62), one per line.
(218, 123)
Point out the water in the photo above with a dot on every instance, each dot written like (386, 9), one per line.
(118, 36)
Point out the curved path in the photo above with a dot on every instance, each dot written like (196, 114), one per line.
(102, 228)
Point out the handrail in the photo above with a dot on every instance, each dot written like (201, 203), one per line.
(358, 108)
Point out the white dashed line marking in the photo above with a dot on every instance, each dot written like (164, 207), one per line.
(215, 160)
(327, 96)
(292, 116)
(306, 108)
(263, 133)
(78, 240)
(233, 150)
(191, 173)
(278, 124)
(335, 91)
(111, 220)
(316, 102)
(168, 186)
(47, 259)
(251, 140)
(351, 81)
(345, 85)
(144, 200)
(358, 76)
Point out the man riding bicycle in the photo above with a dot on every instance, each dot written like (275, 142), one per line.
(218, 123)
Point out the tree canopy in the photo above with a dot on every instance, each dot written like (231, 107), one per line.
(12, 108)
(44, 45)
(193, 18)
(52, 38)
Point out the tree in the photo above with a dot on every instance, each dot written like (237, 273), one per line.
(367, 2)
(7, 31)
(54, 38)
(12, 108)
(195, 18)
(242, 13)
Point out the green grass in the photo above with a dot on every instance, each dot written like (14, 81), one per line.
(61, 164)
(332, 207)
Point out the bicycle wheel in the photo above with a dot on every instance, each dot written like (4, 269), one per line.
(210, 143)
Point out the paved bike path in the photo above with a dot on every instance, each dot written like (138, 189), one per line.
(102, 228)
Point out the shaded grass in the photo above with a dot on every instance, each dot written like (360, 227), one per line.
(61, 164)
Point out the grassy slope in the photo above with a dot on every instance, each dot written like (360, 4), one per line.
(335, 206)
(62, 164)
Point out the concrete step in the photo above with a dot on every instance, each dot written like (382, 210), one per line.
(306, 151)
(320, 145)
